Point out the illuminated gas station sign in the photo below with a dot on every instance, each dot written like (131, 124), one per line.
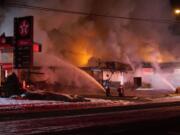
(23, 30)
(23, 52)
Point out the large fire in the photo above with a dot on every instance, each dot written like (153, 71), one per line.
(154, 54)
(85, 58)
(82, 52)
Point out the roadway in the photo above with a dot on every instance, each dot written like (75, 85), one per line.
(161, 118)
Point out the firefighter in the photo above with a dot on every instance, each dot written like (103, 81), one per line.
(106, 85)
(120, 90)
(108, 92)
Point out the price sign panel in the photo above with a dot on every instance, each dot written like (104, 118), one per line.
(23, 52)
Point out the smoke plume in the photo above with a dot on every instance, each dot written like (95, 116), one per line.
(78, 38)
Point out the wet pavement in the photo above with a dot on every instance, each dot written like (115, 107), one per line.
(141, 119)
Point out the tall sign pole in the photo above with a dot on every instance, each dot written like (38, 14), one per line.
(23, 52)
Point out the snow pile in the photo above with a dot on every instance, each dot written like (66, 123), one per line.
(9, 101)
(112, 102)
(9, 105)
(46, 95)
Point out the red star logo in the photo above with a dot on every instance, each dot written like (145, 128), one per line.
(24, 28)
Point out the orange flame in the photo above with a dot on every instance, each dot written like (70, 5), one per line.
(82, 52)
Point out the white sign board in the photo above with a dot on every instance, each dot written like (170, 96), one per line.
(6, 57)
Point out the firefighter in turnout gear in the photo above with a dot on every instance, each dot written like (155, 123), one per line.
(120, 90)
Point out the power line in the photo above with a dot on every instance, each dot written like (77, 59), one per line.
(21, 5)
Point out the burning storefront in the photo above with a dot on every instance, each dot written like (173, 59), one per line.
(110, 73)
(144, 76)
(159, 76)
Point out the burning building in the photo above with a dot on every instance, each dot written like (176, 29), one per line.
(159, 76)
(109, 73)
(125, 31)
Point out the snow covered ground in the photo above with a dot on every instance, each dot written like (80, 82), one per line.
(14, 104)
(9, 104)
